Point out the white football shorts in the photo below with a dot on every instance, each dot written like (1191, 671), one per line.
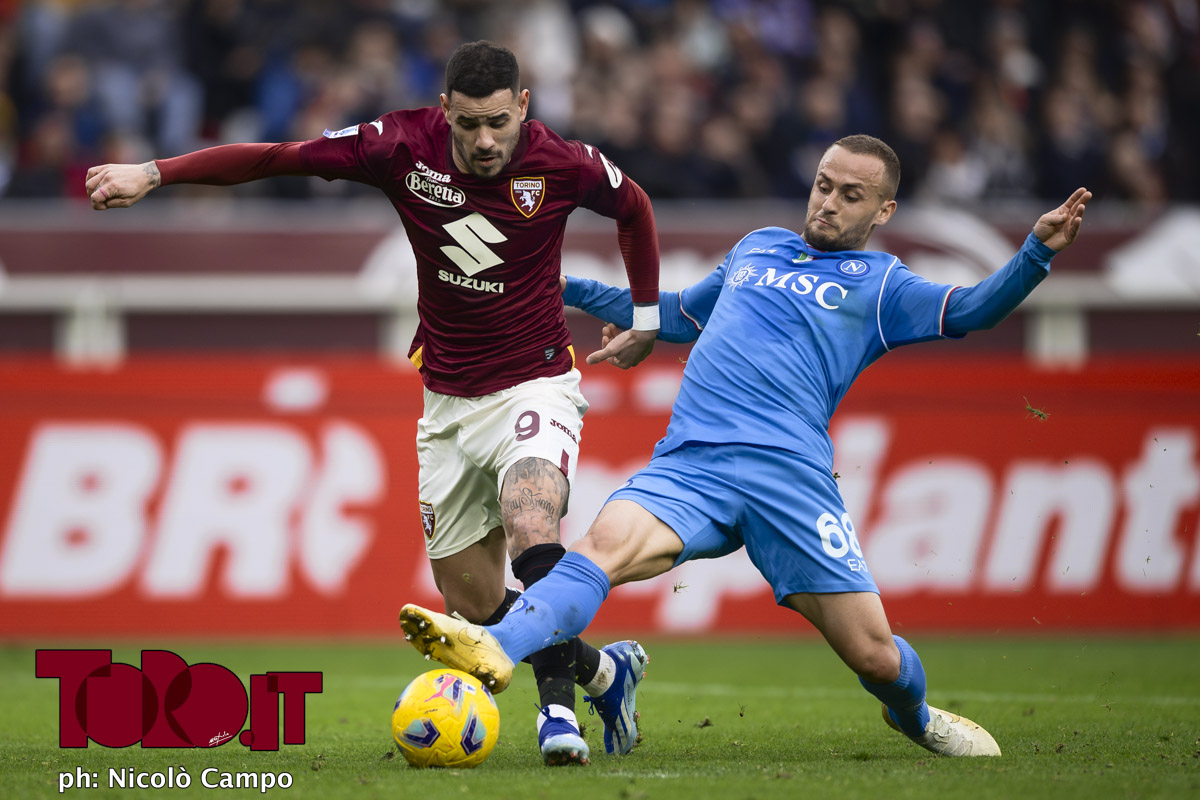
(465, 445)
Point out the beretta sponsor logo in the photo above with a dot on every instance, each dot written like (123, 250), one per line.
(434, 192)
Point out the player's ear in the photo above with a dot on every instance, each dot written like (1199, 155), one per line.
(446, 106)
(522, 105)
(885, 212)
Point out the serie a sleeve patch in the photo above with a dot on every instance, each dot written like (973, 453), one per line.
(351, 131)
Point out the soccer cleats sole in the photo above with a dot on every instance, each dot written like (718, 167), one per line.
(559, 740)
(951, 735)
(457, 644)
(617, 707)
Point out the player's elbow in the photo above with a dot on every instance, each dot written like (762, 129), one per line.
(958, 326)
(987, 323)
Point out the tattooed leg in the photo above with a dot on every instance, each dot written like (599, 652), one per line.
(533, 500)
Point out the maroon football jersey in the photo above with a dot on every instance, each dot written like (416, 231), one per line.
(488, 251)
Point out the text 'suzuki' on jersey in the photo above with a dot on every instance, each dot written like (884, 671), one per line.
(471, 283)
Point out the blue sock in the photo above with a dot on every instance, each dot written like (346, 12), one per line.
(555, 609)
(905, 698)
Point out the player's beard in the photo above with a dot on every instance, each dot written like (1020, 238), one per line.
(832, 239)
(502, 155)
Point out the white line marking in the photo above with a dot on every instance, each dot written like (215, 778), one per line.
(939, 692)
(824, 693)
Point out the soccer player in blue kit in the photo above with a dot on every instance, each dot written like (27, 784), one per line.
(782, 328)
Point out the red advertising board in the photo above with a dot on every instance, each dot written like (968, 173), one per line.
(246, 496)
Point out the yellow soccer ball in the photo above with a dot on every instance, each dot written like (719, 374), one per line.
(446, 718)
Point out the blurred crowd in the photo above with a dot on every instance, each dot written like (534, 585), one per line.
(715, 99)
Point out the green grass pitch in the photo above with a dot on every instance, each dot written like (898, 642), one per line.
(1093, 717)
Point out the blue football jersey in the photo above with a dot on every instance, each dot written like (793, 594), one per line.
(783, 329)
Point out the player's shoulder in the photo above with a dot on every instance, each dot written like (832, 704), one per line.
(773, 233)
(418, 135)
(412, 124)
(394, 127)
(547, 148)
(768, 239)
(410, 127)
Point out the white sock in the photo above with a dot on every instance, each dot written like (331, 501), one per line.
(558, 712)
(604, 676)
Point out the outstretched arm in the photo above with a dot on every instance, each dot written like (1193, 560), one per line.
(122, 185)
(988, 302)
(682, 315)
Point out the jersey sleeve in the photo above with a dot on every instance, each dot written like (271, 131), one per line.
(913, 309)
(696, 302)
(988, 302)
(606, 190)
(682, 315)
(614, 304)
(358, 153)
(229, 164)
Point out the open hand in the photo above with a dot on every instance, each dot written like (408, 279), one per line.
(1058, 228)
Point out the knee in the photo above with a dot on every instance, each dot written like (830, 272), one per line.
(877, 662)
(602, 537)
(603, 543)
(615, 550)
(629, 543)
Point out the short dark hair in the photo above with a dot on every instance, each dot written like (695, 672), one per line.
(478, 69)
(864, 145)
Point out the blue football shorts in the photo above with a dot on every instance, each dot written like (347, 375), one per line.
(785, 510)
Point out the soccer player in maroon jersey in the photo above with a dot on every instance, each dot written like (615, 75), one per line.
(484, 196)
